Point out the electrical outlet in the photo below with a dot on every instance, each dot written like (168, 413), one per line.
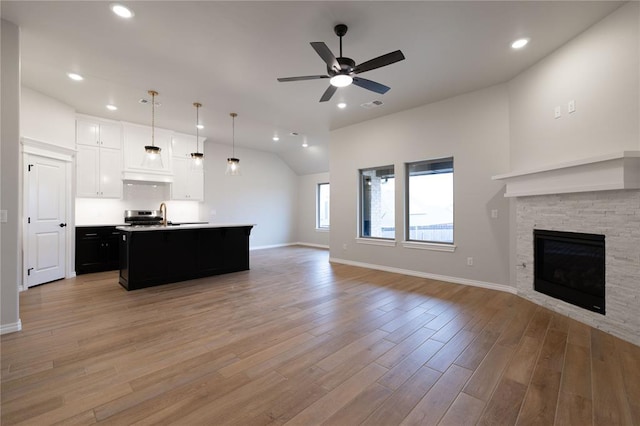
(3, 216)
(494, 214)
(469, 261)
(344, 246)
(557, 113)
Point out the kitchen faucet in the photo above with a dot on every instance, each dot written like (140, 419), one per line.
(163, 209)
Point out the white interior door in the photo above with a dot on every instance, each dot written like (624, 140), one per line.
(46, 219)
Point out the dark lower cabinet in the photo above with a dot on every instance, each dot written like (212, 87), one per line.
(154, 257)
(96, 249)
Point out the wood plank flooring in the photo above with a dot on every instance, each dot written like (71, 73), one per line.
(299, 341)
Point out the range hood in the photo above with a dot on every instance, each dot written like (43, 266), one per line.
(146, 177)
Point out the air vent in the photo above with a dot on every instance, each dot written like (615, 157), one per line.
(146, 101)
(372, 104)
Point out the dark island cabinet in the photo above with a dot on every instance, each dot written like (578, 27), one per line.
(96, 249)
(154, 257)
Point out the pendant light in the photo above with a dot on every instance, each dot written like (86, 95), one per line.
(152, 158)
(233, 163)
(197, 157)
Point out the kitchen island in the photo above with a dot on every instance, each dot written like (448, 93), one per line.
(158, 254)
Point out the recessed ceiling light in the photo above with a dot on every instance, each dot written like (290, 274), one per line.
(121, 11)
(520, 43)
(342, 105)
(112, 107)
(294, 133)
(74, 76)
(305, 144)
(276, 139)
(200, 126)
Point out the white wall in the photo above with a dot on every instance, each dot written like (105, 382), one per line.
(265, 194)
(473, 128)
(307, 208)
(10, 178)
(46, 119)
(599, 69)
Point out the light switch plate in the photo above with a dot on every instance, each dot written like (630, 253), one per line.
(3, 216)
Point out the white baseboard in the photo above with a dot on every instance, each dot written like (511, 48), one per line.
(290, 244)
(11, 328)
(456, 280)
(272, 246)
(322, 246)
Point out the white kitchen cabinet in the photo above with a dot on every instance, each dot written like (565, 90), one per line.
(188, 184)
(93, 132)
(98, 172)
(135, 138)
(182, 145)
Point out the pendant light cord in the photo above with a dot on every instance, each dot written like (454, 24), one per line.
(153, 94)
(233, 134)
(197, 105)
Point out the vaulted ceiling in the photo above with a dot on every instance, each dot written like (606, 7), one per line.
(227, 55)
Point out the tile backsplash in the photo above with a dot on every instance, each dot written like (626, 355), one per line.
(136, 196)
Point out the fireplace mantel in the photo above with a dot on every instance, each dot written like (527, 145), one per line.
(620, 170)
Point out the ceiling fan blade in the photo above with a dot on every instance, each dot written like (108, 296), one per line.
(303, 77)
(328, 93)
(326, 55)
(380, 61)
(371, 85)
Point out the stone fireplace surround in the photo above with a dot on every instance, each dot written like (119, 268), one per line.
(612, 212)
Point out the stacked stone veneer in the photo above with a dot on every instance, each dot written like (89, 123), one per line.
(614, 214)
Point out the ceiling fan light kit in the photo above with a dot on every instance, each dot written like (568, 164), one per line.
(342, 71)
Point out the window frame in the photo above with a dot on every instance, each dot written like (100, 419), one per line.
(365, 239)
(427, 244)
(318, 206)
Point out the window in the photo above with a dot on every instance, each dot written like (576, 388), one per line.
(322, 215)
(430, 201)
(377, 203)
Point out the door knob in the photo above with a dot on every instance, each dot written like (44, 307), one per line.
(62, 225)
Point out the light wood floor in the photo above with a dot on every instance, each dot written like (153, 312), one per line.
(299, 341)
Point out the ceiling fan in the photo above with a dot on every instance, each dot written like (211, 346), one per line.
(341, 71)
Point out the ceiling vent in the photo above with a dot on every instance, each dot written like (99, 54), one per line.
(147, 101)
(372, 104)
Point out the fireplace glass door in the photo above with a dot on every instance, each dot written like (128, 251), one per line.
(571, 267)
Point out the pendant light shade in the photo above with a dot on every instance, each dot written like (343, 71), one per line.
(233, 163)
(197, 157)
(152, 158)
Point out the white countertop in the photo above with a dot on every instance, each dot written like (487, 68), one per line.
(97, 225)
(185, 226)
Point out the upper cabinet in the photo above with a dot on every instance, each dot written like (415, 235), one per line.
(98, 158)
(102, 133)
(135, 138)
(188, 184)
(183, 145)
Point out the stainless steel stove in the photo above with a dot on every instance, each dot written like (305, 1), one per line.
(143, 217)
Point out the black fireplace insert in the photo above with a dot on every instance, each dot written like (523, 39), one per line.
(570, 266)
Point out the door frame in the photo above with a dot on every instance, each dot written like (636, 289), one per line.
(55, 152)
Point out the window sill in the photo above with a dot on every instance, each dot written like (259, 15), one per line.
(429, 246)
(376, 242)
(322, 229)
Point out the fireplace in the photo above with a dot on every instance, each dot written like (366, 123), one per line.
(570, 266)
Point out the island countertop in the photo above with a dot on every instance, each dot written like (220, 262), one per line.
(177, 226)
